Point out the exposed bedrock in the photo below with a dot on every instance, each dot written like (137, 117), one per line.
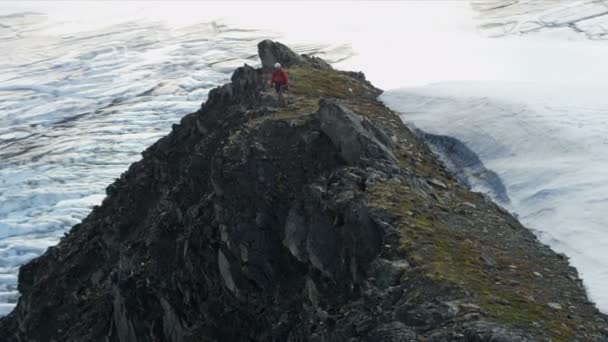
(466, 165)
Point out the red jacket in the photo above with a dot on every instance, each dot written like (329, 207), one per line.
(279, 76)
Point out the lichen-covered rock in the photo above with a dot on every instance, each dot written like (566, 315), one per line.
(326, 220)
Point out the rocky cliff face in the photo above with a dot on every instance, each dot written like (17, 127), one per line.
(326, 220)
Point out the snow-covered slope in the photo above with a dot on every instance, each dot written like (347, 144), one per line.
(547, 142)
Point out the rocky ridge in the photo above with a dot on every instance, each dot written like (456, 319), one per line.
(326, 220)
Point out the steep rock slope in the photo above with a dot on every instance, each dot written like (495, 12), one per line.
(326, 220)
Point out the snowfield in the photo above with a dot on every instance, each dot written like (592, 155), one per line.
(85, 87)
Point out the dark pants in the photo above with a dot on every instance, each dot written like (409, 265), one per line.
(280, 89)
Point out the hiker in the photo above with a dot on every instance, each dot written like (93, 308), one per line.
(279, 81)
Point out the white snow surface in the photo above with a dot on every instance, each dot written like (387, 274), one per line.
(86, 86)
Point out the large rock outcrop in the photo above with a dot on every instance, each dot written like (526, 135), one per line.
(326, 220)
(272, 52)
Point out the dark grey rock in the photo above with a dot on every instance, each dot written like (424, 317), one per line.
(317, 62)
(351, 134)
(271, 52)
(466, 165)
(387, 272)
(393, 332)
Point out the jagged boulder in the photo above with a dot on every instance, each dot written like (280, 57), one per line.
(355, 137)
(271, 52)
(331, 229)
(244, 89)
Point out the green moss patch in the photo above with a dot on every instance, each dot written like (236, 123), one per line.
(446, 254)
(323, 83)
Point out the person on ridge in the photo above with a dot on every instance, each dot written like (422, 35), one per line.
(279, 81)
